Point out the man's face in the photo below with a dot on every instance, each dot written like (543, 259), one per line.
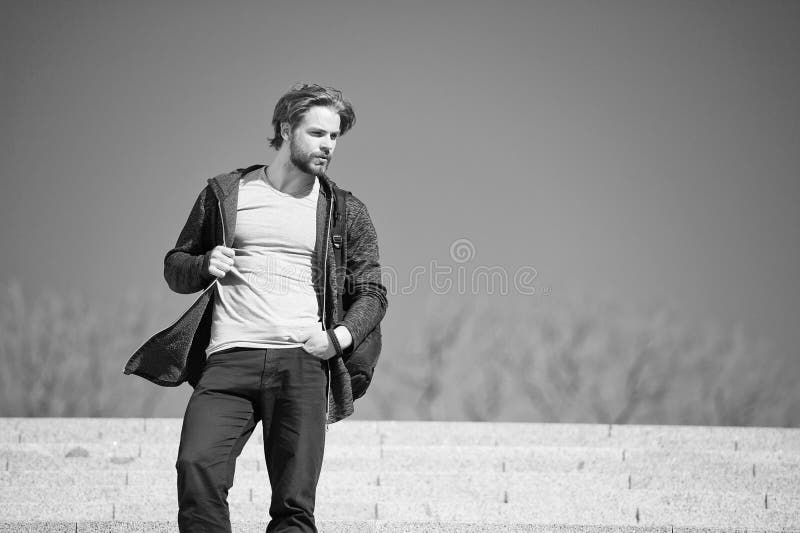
(313, 140)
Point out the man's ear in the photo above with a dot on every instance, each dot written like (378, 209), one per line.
(286, 130)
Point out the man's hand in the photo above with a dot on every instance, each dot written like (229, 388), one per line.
(319, 345)
(220, 260)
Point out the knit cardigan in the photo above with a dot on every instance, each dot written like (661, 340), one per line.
(177, 353)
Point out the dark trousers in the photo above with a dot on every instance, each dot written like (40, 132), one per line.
(285, 388)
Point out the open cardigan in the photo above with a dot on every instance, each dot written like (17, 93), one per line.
(177, 353)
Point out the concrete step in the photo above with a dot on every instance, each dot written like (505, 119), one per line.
(517, 491)
(400, 486)
(783, 482)
(255, 450)
(766, 469)
(167, 430)
(355, 526)
(544, 509)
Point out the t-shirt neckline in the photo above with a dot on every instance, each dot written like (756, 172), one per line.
(298, 195)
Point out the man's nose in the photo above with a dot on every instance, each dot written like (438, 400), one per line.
(327, 144)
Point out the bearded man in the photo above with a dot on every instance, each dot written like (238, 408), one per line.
(261, 342)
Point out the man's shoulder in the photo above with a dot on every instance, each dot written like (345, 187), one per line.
(355, 207)
(228, 176)
(227, 181)
(354, 204)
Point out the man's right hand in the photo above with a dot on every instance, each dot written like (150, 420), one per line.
(220, 261)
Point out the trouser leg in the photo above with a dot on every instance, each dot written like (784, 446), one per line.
(219, 419)
(294, 439)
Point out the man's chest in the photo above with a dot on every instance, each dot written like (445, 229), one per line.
(273, 222)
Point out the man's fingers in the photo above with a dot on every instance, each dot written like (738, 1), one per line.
(222, 260)
(228, 255)
(218, 268)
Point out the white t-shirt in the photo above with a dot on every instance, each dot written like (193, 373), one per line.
(267, 299)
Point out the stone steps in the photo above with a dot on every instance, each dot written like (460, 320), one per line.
(352, 526)
(87, 474)
(167, 430)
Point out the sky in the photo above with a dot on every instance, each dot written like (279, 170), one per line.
(644, 150)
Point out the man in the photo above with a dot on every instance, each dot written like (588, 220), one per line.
(262, 345)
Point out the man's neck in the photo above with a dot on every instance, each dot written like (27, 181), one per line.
(286, 177)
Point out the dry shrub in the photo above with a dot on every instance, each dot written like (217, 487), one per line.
(62, 356)
(581, 359)
(577, 358)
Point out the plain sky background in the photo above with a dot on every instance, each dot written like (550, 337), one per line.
(646, 150)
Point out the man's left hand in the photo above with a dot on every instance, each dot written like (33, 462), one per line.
(319, 345)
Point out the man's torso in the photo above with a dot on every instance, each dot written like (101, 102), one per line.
(267, 299)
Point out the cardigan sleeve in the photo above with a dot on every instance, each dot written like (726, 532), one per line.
(186, 264)
(363, 287)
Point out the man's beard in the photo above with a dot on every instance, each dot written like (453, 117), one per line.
(303, 161)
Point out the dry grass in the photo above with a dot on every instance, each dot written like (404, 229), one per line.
(479, 358)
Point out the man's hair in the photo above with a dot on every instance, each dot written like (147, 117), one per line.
(303, 96)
